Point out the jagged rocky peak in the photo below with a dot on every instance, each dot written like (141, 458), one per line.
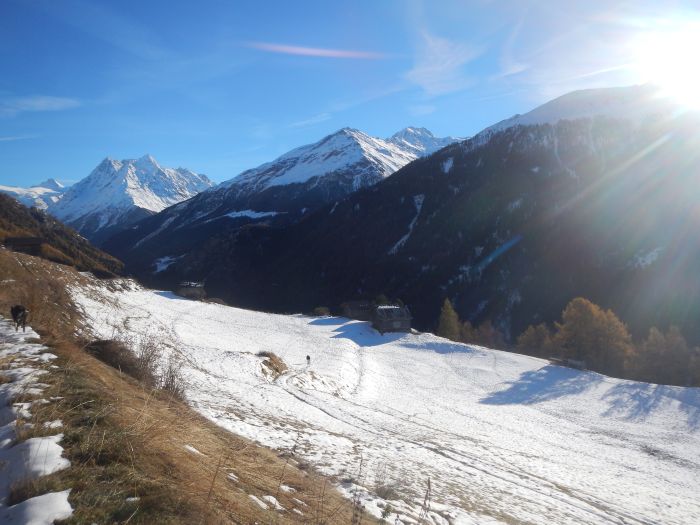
(117, 191)
(420, 141)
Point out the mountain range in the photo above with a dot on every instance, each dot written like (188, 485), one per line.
(118, 193)
(279, 193)
(510, 225)
(589, 194)
(39, 196)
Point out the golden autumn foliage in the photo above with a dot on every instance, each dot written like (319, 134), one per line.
(600, 339)
(536, 341)
(593, 335)
(448, 326)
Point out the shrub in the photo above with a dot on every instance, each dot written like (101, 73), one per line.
(322, 311)
(117, 355)
(172, 380)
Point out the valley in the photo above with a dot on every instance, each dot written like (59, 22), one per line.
(504, 438)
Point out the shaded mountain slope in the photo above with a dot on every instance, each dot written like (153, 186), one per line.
(510, 229)
(62, 244)
(279, 192)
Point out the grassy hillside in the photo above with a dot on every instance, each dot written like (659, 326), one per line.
(63, 245)
(137, 454)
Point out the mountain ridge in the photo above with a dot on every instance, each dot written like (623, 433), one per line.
(282, 191)
(510, 225)
(118, 193)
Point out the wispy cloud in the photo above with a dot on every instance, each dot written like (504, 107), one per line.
(316, 119)
(509, 64)
(439, 66)
(14, 105)
(17, 137)
(314, 51)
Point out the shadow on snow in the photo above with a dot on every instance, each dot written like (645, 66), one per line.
(549, 382)
(635, 401)
(329, 321)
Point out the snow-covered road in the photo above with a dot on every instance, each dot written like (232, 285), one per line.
(504, 438)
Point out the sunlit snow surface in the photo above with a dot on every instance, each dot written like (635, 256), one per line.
(504, 438)
(28, 460)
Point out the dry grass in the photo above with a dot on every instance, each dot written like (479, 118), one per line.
(125, 440)
(274, 363)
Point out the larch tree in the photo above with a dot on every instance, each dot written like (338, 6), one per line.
(448, 325)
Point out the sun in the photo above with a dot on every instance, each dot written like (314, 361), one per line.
(669, 57)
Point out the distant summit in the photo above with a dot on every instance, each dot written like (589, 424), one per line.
(39, 196)
(51, 184)
(117, 193)
(628, 103)
(284, 190)
(419, 140)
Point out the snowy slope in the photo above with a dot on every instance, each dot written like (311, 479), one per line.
(370, 158)
(116, 192)
(504, 438)
(39, 196)
(632, 102)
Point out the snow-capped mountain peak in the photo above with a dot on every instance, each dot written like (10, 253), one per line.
(370, 159)
(288, 188)
(39, 196)
(51, 184)
(118, 192)
(419, 141)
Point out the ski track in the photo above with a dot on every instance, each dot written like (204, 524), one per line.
(504, 438)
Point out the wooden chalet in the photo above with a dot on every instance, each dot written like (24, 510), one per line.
(191, 290)
(360, 310)
(391, 318)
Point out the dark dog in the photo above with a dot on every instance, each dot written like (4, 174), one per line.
(19, 316)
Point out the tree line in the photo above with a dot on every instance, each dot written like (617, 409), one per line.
(589, 334)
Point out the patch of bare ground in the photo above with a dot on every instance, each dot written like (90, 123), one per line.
(139, 454)
(273, 364)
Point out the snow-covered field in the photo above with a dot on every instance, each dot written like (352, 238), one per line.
(502, 437)
(23, 461)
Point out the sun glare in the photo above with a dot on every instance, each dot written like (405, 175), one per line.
(668, 58)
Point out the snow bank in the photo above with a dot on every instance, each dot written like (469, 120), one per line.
(34, 457)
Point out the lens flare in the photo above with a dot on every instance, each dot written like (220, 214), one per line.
(668, 58)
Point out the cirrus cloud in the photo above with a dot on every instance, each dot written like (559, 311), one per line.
(12, 106)
(314, 51)
(439, 65)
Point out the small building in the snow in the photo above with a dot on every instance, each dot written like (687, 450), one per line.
(191, 290)
(391, 318)
(360, 310)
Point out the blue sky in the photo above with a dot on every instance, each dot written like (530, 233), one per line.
(222, 86)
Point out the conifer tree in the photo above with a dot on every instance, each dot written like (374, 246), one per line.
(664, 358)
(448, 326)
(536, 341)
(596, 336)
